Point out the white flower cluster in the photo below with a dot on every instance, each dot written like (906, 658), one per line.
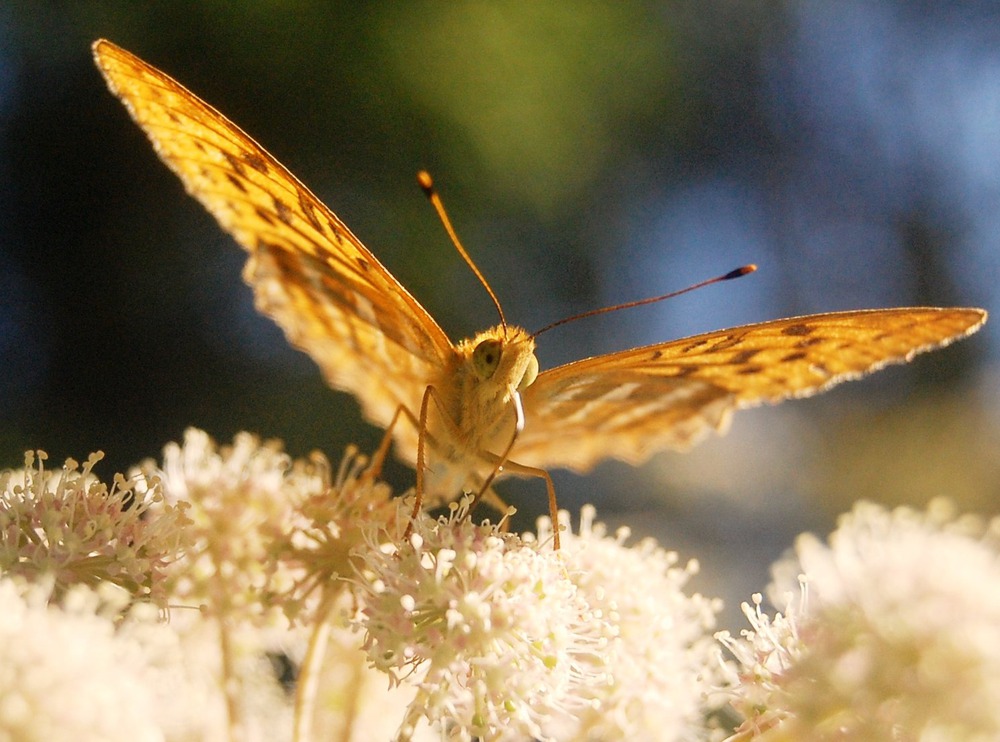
(235, 594)
(68, 674)
(661, 664)
(485, 625)
(895, 634)
(507, 639)
(69, 527)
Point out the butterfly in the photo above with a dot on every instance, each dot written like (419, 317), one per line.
(466, 412)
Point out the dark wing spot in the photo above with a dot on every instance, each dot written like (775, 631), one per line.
(310, 213)
(235, 164)
(695, 345)
(727, 342)
(174, 117)
(796, 355)
(236, 182)
(257, 162)
(808, 341)
(263, 215)
(799, 329)
(286, 262)
(284, 213)
(363, 265)
(744, 356)
(656, 355)
(751, 369)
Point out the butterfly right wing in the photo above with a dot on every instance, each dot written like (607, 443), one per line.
(330, 295)
(632, 404)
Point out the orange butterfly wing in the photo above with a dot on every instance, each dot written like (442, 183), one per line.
(330, 295)
(631, 404)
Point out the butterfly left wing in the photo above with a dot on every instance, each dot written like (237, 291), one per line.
(309, 273)
(631, 404)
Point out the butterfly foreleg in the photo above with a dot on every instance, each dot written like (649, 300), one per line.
(530, 471)
(422, 435)
(420, 423)
(418, 499)
(502, 461)
(378, 458)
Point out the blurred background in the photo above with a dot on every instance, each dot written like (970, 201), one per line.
(589, 154)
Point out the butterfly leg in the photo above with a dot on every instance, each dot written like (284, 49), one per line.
(490, 497)
(422, 435)
(378, 458)
(485, 492)
(530, 471)
(418, 499)
(501, 462)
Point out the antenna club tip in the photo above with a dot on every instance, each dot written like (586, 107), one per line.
(425, 182)
(741, 271)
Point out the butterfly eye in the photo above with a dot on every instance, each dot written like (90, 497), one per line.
(530, 373)
(486, 358)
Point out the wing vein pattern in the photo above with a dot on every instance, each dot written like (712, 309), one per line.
(631, 404)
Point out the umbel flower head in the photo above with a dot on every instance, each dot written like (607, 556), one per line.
(896, 636)
(264, 535)
(241, 504)
(505, 638)
(659, 667)
(69, 526)
(88, 667)
(484, 625)
(268, 534)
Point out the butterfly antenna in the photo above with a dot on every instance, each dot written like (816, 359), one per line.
(424, 179)
(737, 273)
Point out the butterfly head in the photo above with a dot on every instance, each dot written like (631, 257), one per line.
(505, 355)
